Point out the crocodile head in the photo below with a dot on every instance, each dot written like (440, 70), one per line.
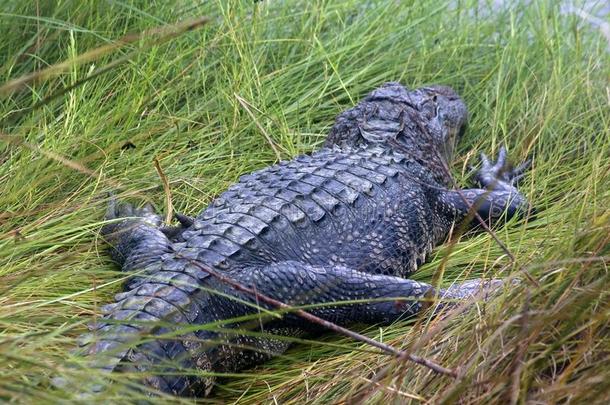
(446, 115)
(423, 121)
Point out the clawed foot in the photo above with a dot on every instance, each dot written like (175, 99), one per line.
(146, 215)
(123, 210)
(477, 289)
(473, 288)
(500, 175)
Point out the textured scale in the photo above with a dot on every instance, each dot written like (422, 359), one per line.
(355, 201)
(344, 223)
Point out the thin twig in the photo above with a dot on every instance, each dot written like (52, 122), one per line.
(400, 354)
(167, 190)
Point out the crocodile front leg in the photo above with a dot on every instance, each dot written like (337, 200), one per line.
(498, 196)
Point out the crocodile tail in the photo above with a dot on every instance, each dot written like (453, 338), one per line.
(141, 332)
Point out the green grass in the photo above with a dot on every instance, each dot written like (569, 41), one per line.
(203, 103)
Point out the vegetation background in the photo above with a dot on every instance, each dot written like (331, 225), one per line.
(262, 82)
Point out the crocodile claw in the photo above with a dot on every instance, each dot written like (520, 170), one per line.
(174, 231)
(472, 288)
(477, 288)
(111, 209)
(184, 220)
(518, 172)
(148, 208)
(501, 174)
(118, 210)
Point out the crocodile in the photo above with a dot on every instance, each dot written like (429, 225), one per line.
(342, 227)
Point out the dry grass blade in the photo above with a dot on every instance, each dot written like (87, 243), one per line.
(154, 35)
(247, 107)
(14, 140)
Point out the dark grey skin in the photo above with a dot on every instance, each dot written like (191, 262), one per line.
(348, 222)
